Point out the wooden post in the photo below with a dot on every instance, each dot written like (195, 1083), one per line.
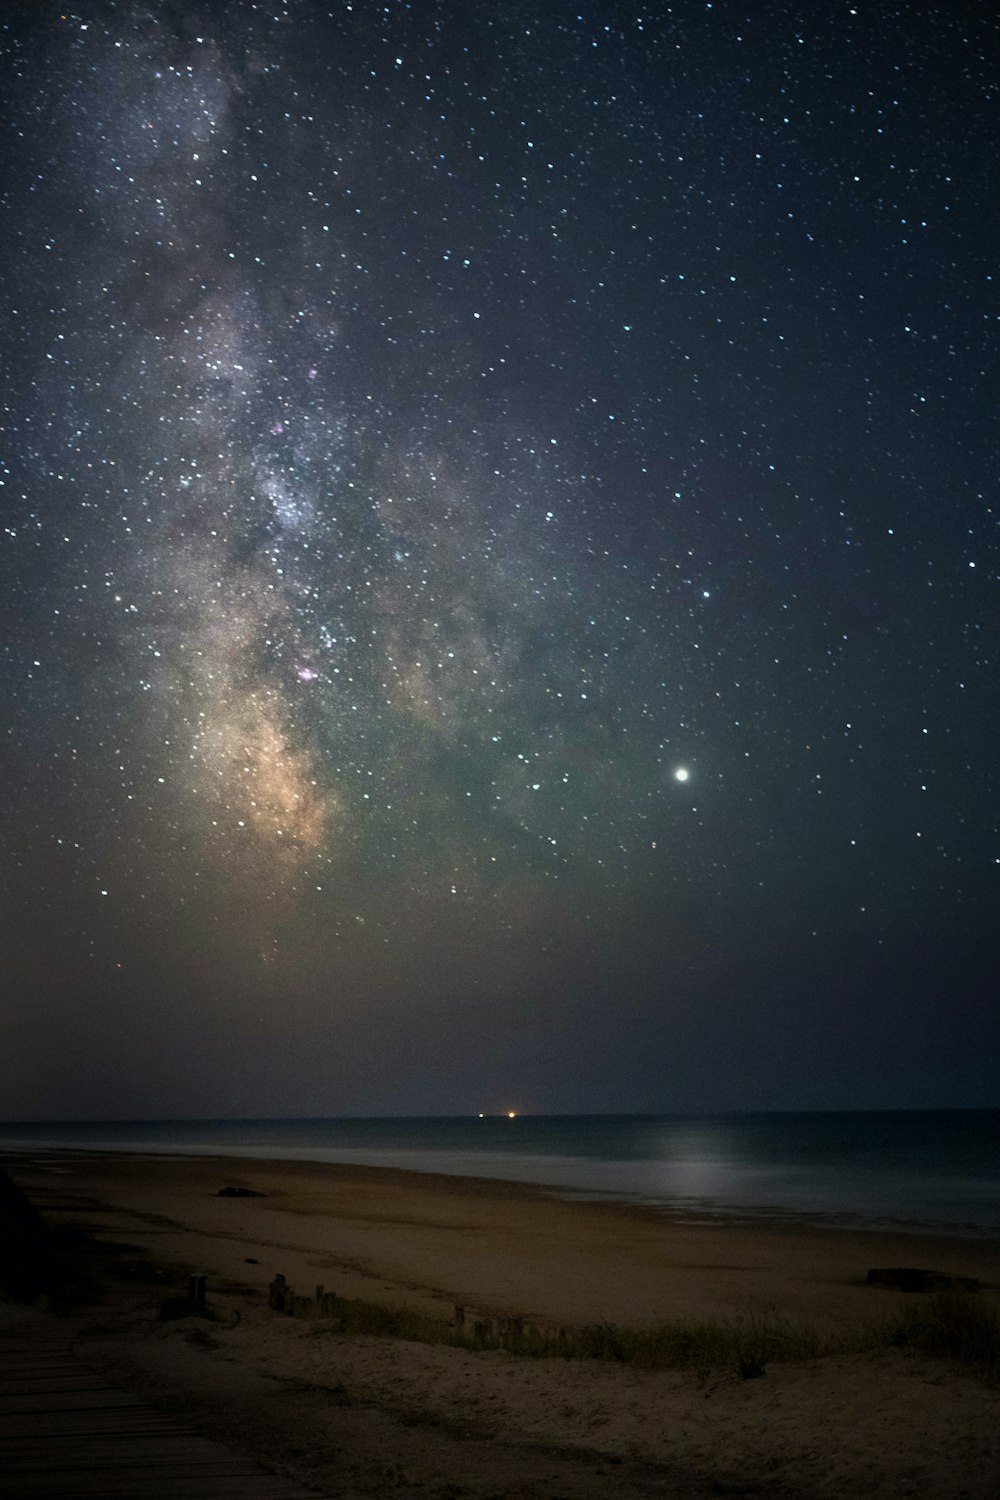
(196, 1289)
(459, 1315)
(511, 1330)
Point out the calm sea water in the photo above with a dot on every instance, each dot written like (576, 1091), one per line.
(924, 1170)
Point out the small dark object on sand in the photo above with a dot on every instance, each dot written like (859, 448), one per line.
(910, 1279)
(250, 1260)
(238, 1192)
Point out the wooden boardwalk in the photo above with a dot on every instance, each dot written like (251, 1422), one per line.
(68, 1434)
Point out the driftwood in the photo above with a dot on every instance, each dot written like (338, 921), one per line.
(911, 1279)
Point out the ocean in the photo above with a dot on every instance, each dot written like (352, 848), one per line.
(936, 1170)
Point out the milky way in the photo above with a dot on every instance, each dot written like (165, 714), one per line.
(500, 552)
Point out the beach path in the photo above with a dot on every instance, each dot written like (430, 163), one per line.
(67, 1432)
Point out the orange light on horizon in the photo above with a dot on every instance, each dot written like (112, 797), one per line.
(512, 1114)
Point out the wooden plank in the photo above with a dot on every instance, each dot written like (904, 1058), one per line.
(167, 1482)
(206, 1462)
(67, 1434)
(147, 1484)
(49, 1370)
(24, 1357)
(65, 1380)
(102, 1412)
(146, 1455)
(110, 1484)
(95, 1399)
(86, 1426)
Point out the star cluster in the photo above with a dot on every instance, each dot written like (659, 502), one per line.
(499, 504)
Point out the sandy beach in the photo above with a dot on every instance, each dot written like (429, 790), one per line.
(371, 1416)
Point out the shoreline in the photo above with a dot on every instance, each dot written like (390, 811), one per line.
(707, 1213)
(430, 1240)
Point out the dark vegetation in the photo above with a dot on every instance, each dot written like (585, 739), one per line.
(958, 1326)
(27, 1263)
(40, 1263)
(953, 1326)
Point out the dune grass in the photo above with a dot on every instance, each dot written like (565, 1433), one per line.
(956, 1326)
(747, 1344)
(953, 1325)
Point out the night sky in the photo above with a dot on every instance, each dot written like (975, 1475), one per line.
(499, 576)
